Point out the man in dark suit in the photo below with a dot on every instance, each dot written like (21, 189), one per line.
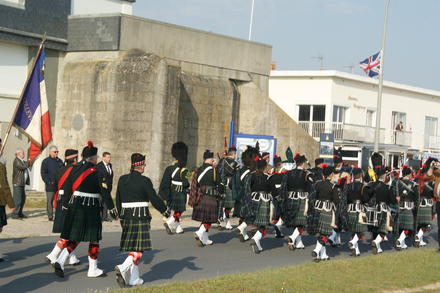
(105, 173)
(20, 178)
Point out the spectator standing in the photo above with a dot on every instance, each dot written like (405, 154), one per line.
(49, 168)
(20, 178)
(105, 173)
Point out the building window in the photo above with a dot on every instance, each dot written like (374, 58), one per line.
(304, 113)
(398, 121)
(370, 118)
(339, 114)
(311, 113)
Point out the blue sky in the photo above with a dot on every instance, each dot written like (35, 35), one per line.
(343, 31)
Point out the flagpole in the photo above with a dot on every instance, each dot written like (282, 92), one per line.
(379, 94)
(252, 20)
(8, 131)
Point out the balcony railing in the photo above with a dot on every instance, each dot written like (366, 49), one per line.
(358, 133)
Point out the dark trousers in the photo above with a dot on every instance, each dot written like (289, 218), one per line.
(19, 196)
(437, 209)
(49, 204)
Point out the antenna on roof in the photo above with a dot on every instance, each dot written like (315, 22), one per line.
(321, 60)
(351, 67)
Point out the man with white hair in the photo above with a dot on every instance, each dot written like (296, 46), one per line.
(20, 178)
(49, 169)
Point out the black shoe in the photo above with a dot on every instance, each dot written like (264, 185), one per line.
(16, 217)
(2, 259)
(119, 278)
(50, 219)
(107, 220)
(58, 270)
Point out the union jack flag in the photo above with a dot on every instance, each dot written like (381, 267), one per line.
(371, 65)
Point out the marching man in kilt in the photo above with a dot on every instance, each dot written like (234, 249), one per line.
(260, 204)
(296, 201)
(83, 219)
(356, 197)
(327, 198)
(275, 181)
(174, 187)
(381, 195)
(407, 194)
(206, 188)
(133, 195)
(243, 190)
(425, 204)
(339, 178)
(227, 167)
(61, 202)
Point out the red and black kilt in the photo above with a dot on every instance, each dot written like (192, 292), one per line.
(82, 224)
(58, 222)
(135, 235)
(206, 211)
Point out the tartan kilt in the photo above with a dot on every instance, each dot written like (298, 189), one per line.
(135, 235)
(277, 209)
(83, 224)
(291, 207)
(406, 219)
(58, 222)
(381, 224)
(246, 211)
(177, 201)
(3, 220)
(424, 216)
(353, 224)
(206, 211)
(324, 223)
(261, 212)
(228, 200)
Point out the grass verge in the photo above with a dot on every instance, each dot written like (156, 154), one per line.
(389, 271)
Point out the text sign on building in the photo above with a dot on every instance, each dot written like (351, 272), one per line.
(267, 144)
(326, 147)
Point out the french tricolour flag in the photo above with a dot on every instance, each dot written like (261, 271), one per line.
(32, 116)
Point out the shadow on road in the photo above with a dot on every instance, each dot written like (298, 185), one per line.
(166, 270)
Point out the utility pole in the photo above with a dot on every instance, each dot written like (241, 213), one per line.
(320, 58)
(252, 20)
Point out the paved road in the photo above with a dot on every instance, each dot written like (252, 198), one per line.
(174, 258)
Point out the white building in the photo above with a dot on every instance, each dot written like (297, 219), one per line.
(345, 105)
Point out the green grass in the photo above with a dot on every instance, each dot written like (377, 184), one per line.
(389, 271)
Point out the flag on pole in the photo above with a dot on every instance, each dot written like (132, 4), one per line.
(371, 65)
(32, 116)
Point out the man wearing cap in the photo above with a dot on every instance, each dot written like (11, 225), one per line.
(276, 178)
(133, 195)
(61, 203)
(425, 204)
(407, 195)
(227, 167)
(327, 198)
(83, 219)
(206, 189)
(298, 185)
(174, 187)
(5, 194)
(339, 178)
(242, 191)
(382, 195)
(355, 197)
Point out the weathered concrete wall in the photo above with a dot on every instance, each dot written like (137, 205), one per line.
(204, 115)
(260, 115)
(121, 104)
